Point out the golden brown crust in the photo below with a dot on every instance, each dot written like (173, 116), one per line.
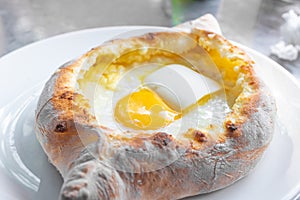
(204, 165)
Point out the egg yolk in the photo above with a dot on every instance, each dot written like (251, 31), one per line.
(144, 110)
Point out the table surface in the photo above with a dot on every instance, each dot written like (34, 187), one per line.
(255, 24)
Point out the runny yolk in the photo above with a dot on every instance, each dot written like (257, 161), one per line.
(144, 110)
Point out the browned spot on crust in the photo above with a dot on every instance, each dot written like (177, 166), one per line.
(61, 127)
(150, 36)
(252, 83)
(200, 136)
(222, 139)
(250, 105)
(85, 170)
(232, 129)
(66, 95)
(161, 139)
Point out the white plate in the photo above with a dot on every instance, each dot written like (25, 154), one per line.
(26, 174)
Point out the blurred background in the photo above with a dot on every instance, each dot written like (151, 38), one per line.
(255, 23)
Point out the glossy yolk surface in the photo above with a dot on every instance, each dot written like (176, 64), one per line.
(144, 110)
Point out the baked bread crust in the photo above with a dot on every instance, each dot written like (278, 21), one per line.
(204, 165)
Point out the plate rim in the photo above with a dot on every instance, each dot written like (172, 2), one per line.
(249, 50)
